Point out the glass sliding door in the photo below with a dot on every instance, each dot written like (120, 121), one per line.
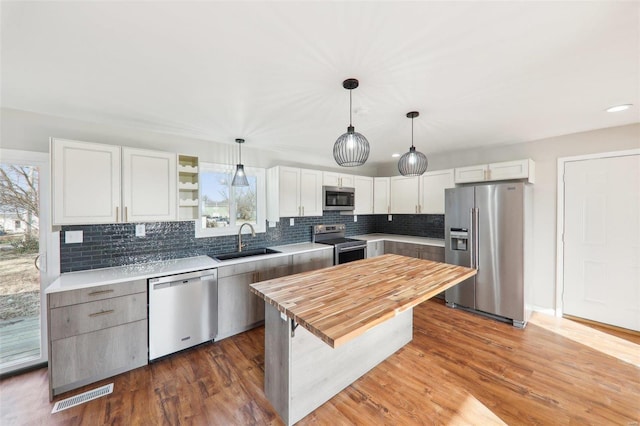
(24, 227)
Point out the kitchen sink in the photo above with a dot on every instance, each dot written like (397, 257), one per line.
(244, 253)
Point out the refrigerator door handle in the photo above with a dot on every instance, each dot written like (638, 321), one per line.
(472, 246)
(476, 243)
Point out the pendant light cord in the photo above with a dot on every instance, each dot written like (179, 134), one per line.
(350, 109)
(412, 118)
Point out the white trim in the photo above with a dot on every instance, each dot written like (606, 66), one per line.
(50, 242)
(560, 215)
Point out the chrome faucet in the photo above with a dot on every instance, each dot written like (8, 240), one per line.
(253, 234)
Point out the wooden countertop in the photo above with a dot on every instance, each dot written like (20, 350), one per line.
(342, 302)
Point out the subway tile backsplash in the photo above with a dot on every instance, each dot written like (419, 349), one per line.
(116, 244)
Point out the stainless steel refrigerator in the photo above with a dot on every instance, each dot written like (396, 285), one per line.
(488, 227)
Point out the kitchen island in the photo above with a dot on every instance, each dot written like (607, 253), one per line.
(352, 317)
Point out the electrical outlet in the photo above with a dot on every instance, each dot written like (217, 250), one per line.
(272, 224)
(389, 218)
(73, 237)
(291, 222)
(140, 230)
(355, 217)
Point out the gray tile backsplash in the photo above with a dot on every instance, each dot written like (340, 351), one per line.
(116, 244)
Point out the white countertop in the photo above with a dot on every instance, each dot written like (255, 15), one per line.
(401, 238)
(118, 274)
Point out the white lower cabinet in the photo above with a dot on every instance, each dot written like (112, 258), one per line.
(96, 333)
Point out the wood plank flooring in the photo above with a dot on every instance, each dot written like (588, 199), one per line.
(460, 368)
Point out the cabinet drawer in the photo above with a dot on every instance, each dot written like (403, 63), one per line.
(72, 320)
(99, 354)
(90, 294)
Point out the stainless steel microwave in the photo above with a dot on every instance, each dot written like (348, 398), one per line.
(338, 198)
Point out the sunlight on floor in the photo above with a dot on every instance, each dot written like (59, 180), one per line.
(474, 412)
(611, 345)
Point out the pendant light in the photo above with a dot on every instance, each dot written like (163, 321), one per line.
(352, 148)
(412, 163)
(240, 178)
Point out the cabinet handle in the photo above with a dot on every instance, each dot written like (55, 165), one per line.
(97, 314)
(302, 210)
(117, 214)
(95, 293)
(126, 214)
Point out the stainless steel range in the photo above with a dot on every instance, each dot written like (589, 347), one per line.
(345, 249)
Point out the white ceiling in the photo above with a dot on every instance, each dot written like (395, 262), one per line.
(479, 73)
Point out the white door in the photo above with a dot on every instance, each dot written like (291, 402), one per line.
(364, 194)
(381, 190)
(602, 240)
(289, 190)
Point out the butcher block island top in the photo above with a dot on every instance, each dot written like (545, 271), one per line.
(342, 302)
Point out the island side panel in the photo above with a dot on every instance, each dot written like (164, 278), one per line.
(277, 356)
(318, 372)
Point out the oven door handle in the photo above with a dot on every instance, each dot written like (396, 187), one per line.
(347, 249)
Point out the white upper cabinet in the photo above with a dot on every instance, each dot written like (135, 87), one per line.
(338, 179)
(519, 169)
(405, 192)
(149, 185)
(432, 186)
(293, 192)
(471, 173)
(97, 183)
(381, 200)
(311, 192)
(364, 194)
(85, 182)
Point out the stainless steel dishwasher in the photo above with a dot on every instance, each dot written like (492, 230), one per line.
(183, 311)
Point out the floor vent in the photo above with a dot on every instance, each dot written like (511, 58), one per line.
(82, 398)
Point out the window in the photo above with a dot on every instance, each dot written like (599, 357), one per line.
(223, 208)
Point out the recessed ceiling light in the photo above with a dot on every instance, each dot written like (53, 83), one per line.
(618, 108)
(395, 155)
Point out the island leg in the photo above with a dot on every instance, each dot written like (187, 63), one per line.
(302, 372)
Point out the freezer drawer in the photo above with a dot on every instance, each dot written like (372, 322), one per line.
(182, 311)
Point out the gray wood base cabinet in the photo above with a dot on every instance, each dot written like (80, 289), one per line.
(95, 333)
(239, 309)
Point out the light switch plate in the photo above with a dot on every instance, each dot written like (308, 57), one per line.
(291, 222)
(389, 218)
(140, 230)
(73, 237)
(355, 217)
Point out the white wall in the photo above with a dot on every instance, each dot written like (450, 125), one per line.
(30, 131)
(545, 153)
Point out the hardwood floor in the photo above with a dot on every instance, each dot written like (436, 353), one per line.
(460, 368)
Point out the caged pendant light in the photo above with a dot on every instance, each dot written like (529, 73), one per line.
(413, 163)
(352, 148)
(240, 178)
